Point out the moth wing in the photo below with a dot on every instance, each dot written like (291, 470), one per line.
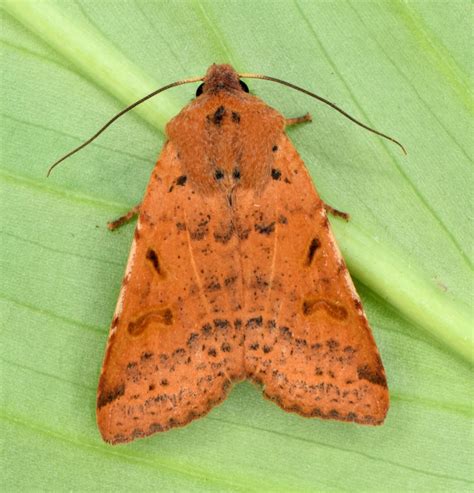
(308, 341)
(168, 358)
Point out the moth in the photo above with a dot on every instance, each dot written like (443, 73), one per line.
(234, 274)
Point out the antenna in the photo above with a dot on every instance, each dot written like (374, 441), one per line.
(119, 114)
(325, 101)
(198, 79)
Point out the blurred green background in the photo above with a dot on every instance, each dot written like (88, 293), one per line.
(403, 67)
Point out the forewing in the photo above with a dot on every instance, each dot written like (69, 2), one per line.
(174, 345)
(307, 340)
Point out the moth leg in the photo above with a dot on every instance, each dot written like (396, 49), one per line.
(335, 212)
(125, 218)
(298, 119)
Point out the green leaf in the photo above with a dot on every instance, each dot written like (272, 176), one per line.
(404, 68)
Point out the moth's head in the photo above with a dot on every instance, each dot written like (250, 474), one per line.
(221, 78)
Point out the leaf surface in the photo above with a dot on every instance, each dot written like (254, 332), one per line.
(404, 68)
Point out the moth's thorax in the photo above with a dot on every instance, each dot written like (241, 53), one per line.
(226, 139)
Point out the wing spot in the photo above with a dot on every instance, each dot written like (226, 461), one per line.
(202, 229)
(334, 310)
(276, 174)
(225, 236)
(192, 338)
(286, 333)
(243, 234)
(152, 256)
(181, 180)
(265, 229)
(377, 377)
(332, 344)
(146, 356)
(138, 433)
(226, 347)
(301, 342)
(155, 427)
(213, 286)
(261, 283)
(207, 329)
(228, 281)
(254, 322)
(314, 245)
(162, 316)
(108, 396)
(221, 324)
(271, 324)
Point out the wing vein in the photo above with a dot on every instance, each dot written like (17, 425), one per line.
(196, 274)
(272, 272)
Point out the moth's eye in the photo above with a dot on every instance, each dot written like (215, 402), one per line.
(244, 86)
(199, 90)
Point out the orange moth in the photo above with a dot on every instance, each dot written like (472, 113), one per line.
(234, 274)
